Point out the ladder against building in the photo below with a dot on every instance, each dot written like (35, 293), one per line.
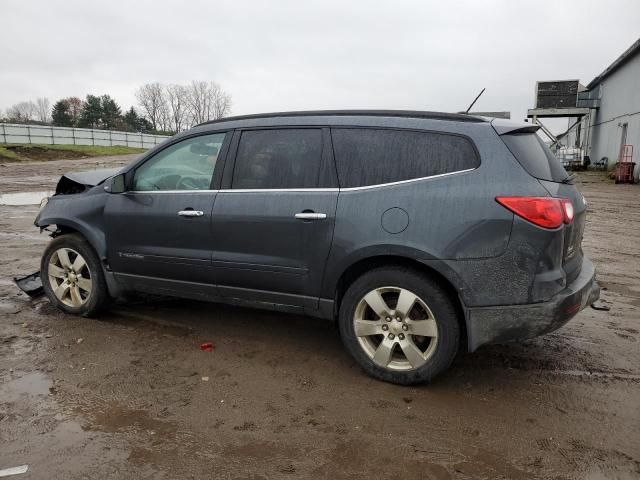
(625, 165)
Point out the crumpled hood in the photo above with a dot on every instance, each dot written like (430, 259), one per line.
(78, 182)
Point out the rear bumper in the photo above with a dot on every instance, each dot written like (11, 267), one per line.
(518, 322)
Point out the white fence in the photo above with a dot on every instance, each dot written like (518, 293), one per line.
(46, 135)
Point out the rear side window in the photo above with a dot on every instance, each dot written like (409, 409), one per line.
(278, 158)
(534, 156)
(369, 156)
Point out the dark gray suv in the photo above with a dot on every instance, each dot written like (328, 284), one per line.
(422, 233)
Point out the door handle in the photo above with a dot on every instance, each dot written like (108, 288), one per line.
(310, 216)
(190, 213)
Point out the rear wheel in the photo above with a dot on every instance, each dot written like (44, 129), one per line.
(399, 325)
(72, 276)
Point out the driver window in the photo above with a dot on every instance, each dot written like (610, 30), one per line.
(186, 165)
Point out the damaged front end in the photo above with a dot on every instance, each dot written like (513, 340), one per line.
(73, 183)
(76, 206)
(79, 182)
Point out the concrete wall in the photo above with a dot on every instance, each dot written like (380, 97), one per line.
(48, 135)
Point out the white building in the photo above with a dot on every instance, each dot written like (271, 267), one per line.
(616, 121)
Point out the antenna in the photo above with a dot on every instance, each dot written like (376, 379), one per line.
(474, 102)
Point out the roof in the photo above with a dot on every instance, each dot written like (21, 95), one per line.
(631, 52)
(456, 117)
(504, 114)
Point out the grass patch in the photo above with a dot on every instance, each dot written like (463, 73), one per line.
(30, 153)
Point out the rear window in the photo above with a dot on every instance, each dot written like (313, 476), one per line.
(371, 156)
(535, 157)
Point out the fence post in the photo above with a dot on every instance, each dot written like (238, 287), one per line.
(29, 133)
(53, 139)
(4, 134)
(141, 140)
(110, 139)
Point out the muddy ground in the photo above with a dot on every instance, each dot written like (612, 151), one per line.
(131, 395)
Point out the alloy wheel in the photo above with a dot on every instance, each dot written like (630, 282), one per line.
(69, 277)
(395, 328)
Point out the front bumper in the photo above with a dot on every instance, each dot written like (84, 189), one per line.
(518, 322)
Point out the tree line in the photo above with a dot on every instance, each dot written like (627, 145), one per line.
(162, 109)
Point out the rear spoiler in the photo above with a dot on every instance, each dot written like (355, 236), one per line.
(503, 127)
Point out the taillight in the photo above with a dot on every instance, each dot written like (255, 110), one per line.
(568, 210)
(545, 212)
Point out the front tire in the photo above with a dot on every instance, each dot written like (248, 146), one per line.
(72, 276)
(399, 325)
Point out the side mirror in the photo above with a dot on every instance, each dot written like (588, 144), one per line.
(115, 184)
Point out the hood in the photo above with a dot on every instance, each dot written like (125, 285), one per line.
(78, 182)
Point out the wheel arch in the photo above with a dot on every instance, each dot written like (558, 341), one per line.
(63, 226)
(362, 265)
(96, 241)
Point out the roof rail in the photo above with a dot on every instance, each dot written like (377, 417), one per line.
(456, 117)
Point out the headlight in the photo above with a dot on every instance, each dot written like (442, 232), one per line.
(43, 202)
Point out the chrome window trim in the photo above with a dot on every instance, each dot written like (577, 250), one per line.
(146, 192)
(280, 190)
(411, 180)
(277, 190)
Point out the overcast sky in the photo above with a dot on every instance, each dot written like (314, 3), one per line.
(291, 55)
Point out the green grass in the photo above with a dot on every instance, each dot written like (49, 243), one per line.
(29, 153)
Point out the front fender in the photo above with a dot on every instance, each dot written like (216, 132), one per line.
(81, 212)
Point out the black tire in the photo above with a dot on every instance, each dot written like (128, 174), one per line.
(437, 300)
(98, 296)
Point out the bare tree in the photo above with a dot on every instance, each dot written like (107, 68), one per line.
(164, 117)
(175, 107)
(207, 101)
(152, 101)
(43, 109)
(177, 99)
(75, 108)
(221, 103)
(198, 99)
(22, 112)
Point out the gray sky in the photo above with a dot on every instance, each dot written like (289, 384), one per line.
(290, 55)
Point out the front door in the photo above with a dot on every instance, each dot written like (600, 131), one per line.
(273, 224)
(160, 229)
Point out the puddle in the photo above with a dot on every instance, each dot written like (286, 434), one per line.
(24, 198)
(31, 384)
(35, 431)
(115, 418)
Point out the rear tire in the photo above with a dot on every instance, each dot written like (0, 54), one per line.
(399, 325)
(72, 276)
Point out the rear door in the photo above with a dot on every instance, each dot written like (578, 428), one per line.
(161, 227)
(273, 223)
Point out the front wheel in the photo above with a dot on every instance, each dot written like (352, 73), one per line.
(72, 276)
(399, 325)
